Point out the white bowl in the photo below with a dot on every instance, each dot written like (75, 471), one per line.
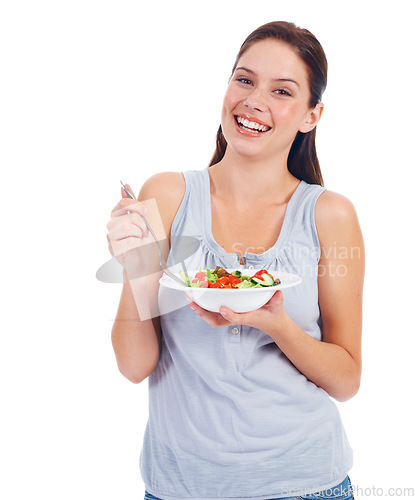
(238, 300)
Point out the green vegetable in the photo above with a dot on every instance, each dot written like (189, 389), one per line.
(266, 280)
(212, 276)
(185, 278)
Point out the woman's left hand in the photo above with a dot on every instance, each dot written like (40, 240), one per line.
(265, 318)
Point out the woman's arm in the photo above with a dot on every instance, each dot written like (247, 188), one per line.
(136, 341)
(335, 363)
(340, 282)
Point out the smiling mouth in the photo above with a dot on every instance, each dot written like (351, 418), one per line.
(249, 126)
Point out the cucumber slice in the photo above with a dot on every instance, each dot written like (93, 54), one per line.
(265, 281)
(268, 281)
(258, 281)
(245, 284)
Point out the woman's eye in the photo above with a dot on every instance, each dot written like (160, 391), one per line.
(244, 80)
(282, 92)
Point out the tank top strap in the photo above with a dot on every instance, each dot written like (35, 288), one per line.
(302, 224)
(191, 214)
(187, 235)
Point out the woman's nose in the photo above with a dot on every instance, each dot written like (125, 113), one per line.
(255, 100)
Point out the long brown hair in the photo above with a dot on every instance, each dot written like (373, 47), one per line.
(302, 159)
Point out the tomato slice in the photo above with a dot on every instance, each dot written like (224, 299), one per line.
(200, 275)
(259, 274)
(224, 280)
(214, 285)
(234, 281)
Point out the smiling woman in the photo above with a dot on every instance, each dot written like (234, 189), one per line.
(240, 403)
(267, 103)
(299, 53)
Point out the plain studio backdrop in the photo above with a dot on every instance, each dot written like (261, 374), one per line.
(97, 91)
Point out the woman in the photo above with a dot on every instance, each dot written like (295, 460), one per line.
(240, 402)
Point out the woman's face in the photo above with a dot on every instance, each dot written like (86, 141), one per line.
(267, 101)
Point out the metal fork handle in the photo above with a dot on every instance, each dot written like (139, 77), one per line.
(163, 263)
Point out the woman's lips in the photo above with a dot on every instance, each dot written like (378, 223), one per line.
(249, 126)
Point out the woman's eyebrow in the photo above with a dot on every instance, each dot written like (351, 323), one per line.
(274, 79)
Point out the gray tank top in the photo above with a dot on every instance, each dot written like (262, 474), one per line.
(229, 415)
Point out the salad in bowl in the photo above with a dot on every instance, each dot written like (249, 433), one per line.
(221, 278)
(241, 290)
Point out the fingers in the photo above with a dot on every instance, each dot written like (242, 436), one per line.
(126, 205)
(126, 236)
(263, 318)
(124, 194)
(126, 232)
(231, 317)
(120, 247)
(126, 227)
(276, 300)
(128, 224)
(256, 317)
(212, 318)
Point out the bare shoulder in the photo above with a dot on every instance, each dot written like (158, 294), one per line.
(336, 217)
(168, 186)
(168, 189)
(331, 205)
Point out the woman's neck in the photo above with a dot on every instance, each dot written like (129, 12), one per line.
(245, 182)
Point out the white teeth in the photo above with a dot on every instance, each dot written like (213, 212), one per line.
(251, 125)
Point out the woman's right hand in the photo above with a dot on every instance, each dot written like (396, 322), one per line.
(127, 232)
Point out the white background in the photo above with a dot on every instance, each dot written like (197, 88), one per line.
(97, 91)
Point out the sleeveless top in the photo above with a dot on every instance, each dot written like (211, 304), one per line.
(229, 415)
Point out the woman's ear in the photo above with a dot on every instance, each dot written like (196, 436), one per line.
(313, 117)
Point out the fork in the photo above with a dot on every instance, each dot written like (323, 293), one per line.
(163, 263)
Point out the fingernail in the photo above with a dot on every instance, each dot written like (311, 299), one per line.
(223, 313)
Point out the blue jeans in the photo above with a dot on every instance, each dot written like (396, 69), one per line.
(342, 491)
